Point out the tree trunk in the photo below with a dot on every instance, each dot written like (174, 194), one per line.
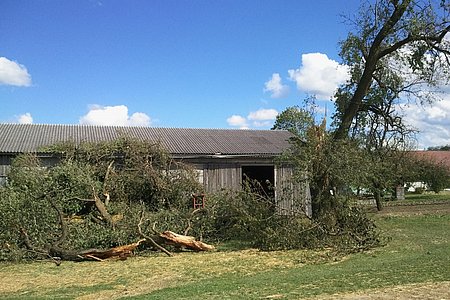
(375, 54)
(377, 196)
(125, 251)
(121, 252)
(188, 242)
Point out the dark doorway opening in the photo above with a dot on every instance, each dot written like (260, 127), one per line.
(260, 178)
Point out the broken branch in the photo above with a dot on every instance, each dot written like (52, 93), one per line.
(152, 241)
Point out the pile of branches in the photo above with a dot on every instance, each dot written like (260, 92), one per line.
(156, 241)
(95, 203)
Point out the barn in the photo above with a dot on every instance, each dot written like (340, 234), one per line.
(223, 158)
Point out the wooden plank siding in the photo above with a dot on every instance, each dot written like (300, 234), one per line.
(5, 166)
(222, 176)
(291, 195)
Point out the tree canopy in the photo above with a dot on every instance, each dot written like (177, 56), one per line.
(295, 120)
(398, 52)
(397, 49)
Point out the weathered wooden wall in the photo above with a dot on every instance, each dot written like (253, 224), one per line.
(5, 162)
(292, 196)
(222, 176)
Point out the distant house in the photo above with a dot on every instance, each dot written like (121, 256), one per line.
(222, 157)
(441, 158)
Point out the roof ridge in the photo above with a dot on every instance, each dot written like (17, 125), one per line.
(137, 126)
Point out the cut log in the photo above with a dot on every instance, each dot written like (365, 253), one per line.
(188, 242)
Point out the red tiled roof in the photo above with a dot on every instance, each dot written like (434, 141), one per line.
(439, 157)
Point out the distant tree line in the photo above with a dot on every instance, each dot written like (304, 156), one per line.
(439, 148)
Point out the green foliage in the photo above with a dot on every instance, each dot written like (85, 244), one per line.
(435, 176)
(394, 50)
(332, 167)
(350, 229)
(294, 119)
(250, 217)
(44, 206)
(419, 190)
(136, 171)
(439, 148)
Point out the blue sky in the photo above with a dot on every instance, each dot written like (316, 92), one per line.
(168, 63)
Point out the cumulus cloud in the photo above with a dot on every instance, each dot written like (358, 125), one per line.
(139, 119)
(319, 75)
(263, 114)
(25, 119)
(114, 115)
(276, 87)
(13, 73)
(237, 121)
(260, 118)
(432, 122)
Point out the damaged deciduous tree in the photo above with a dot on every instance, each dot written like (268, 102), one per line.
(57, 253)
(91, 199)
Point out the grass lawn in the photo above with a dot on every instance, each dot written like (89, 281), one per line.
(416, 259)
(425, 198)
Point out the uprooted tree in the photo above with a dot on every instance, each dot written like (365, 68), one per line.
(98, 201)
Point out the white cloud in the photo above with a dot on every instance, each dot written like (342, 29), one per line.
(263, 114)
(139, 119)
(259, 118)
(237, 121)
(25, 119)
(13, 73)
(114, 115)
(432, 122)
(319, 75)
(262, 117)
(276, 87)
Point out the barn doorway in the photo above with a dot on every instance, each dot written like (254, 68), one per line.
(261, 179)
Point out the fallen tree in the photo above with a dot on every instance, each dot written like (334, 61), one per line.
(123, 252)
(57, 253)
(87, 206)
(100, 201)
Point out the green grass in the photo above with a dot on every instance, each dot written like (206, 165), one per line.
(418, 252)
(428, 197)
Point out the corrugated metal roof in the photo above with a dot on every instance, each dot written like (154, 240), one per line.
(190, 141)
